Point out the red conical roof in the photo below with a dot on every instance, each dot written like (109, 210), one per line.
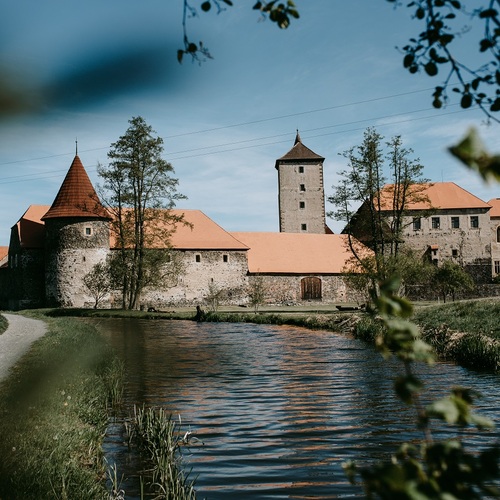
(76, 196)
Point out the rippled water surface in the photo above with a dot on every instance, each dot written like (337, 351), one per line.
(278, 408)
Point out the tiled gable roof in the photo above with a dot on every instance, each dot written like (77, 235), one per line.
(296, 253)
(76, 196)
(495, 204)
(443, 195)
(299, 152)
(202, 233)
(30, 227)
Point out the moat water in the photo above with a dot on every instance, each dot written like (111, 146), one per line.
(278, 408)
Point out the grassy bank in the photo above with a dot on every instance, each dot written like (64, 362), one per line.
(53, 414)
(3, 324)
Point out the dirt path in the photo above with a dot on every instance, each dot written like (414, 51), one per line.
(16, 340)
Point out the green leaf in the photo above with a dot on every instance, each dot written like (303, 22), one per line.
(444, 409)
(431, 68)
(206, 6)
(407, 387)
(466, 101)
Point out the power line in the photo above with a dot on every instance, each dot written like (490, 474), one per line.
(34, 177)
(234, 125)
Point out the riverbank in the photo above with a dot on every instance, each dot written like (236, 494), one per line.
(53, 415)
(467, 332)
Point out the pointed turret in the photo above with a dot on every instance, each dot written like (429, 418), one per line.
(76, 196)
(299, 152)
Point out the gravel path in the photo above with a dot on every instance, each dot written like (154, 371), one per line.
(16, 340)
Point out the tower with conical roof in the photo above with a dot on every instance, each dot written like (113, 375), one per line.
(77, 238)
(301, 194)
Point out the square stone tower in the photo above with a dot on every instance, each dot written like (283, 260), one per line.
(301, 193)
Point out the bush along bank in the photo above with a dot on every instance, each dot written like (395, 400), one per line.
(53, 415)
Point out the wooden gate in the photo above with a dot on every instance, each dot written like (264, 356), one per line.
(310, 288)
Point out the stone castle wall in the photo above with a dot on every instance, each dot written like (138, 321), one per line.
(73, 247)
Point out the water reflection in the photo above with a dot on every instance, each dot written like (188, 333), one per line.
(278, 408)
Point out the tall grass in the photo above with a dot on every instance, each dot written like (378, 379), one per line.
(53, 416)
(160, 438)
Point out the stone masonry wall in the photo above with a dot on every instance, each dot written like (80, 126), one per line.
(73, 247)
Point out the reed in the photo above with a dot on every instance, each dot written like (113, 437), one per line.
(160, 439)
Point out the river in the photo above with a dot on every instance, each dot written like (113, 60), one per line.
(278, 408)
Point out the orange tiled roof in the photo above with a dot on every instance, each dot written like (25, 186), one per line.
(296, 253)
(76, 196)
(444, 195)
(299, 152)
(495, 204)
(204, 234)
(31, 228)
(4, 251)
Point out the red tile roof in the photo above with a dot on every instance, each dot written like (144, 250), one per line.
(495, 211)
(31, 228)
(444, 195)
(202, 234)
(296, 253)
(76, 196)
(4, 252)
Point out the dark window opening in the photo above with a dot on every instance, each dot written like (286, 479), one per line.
(417, 224)
(302, 204)
(198, 258)
(454, 253)
(302, 187)
(301, 170)
(435, 222)
(303, 227)
(224, 258)
(474, 221)
(455, 222)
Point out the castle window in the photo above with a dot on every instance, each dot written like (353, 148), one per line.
(87, 231)
(498, 234)
(435, 223)
(302, 204)
(303, 227)
(417, 224)
(224, 258)
(454, 253)
(497, 267)
(455, 222)
(301, 170)
(197, 258)
(302, 187)
(474, 221)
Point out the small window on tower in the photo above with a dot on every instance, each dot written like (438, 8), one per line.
(302, 187)
(302, 204)
(303, 227)
(198, 258)
(88, 231)
(301, 170)
(224, 258)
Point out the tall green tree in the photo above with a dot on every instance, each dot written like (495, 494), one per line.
(140, 191)
(375, 212)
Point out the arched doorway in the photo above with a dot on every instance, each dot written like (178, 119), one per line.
(310, 288)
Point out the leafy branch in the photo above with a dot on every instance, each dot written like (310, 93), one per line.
(435, 469)
(279, 13)
(431, 51)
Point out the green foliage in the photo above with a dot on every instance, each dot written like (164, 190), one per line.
(53, 414)
(257, 292)
(161, 440)
(374, 214)
(446, 23)
(140, 192)
(434, 469)
(3, 324)
(279, 13)
(450, 278)
(98, 282)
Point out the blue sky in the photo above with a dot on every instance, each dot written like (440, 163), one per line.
(90, 66)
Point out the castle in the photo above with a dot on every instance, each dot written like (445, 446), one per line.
(52, 248)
